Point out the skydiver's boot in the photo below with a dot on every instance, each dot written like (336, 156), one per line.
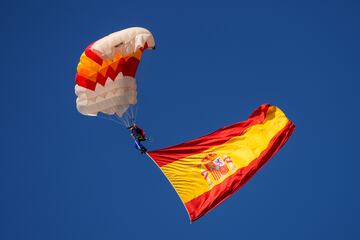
(140, 147)
(143, 150)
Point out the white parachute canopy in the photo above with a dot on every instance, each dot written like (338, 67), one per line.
(105, 79)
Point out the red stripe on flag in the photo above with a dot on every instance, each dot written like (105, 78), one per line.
(170, 154)
(202, 204)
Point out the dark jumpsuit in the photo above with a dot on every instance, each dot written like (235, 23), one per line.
(139, 136)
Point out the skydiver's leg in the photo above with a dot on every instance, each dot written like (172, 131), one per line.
(137, 145)
(140, 147)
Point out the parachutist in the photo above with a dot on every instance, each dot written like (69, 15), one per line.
(139, 135)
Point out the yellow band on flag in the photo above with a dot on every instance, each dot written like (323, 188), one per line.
(207, 170)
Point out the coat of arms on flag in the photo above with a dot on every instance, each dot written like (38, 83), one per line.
(217, 166)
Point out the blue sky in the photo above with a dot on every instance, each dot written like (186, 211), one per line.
(67, 176)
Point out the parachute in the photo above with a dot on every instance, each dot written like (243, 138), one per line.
(204, 171)
(105, 78)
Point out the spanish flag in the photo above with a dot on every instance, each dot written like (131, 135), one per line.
(207, 170)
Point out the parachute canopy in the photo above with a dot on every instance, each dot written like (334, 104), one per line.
(105, 78)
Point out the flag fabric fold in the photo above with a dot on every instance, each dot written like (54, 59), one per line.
(207, 170)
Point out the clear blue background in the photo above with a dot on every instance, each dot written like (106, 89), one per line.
(67, 176)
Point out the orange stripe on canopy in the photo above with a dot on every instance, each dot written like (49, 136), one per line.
(93, 70)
